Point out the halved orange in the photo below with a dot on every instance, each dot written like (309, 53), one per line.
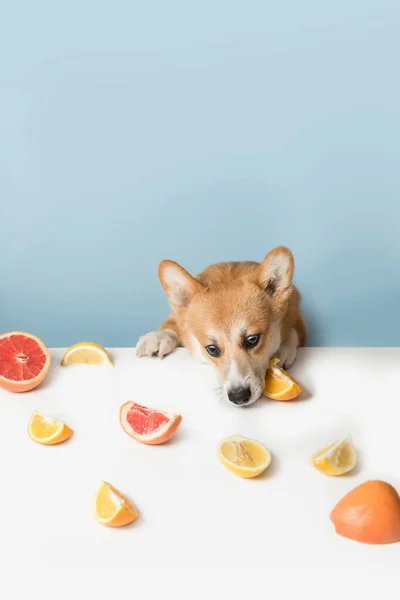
(279, 385)
(112, 508)
(24, 361)
(47, 431)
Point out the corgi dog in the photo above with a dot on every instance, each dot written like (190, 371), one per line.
(235, 315)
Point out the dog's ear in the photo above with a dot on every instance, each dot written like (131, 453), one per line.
(275, 273)
(179, 286)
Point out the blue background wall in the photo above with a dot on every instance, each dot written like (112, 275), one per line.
(134, 131)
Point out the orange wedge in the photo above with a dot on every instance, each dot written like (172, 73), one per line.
(47, 431)
(369, 514)
(111, 508)
(279, 385)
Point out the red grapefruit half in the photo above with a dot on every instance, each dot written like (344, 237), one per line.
(147, 425)
(24, 361)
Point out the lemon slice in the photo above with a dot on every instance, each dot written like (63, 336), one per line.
(86, 353)
(279, 385)
(111, 508)
(335, 459)
(242, 456)
(45, 430)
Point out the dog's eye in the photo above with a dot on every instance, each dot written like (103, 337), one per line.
(213, 351)
(251, 341)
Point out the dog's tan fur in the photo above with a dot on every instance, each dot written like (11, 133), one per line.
(223, 305)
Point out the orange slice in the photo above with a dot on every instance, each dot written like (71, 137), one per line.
(279, 385)
(111, 508)
(47, 431)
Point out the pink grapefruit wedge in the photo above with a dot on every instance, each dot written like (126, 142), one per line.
(147, 425)
(24, 361)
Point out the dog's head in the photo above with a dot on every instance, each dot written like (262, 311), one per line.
(236, 323)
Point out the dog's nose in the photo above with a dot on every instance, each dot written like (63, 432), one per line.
(239, 395)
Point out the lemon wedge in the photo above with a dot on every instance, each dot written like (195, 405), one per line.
(86, 353)
(243, 456)
(336, 459)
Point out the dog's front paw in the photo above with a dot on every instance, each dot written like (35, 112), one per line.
(157, 343)
(286, 357)
(288, 350)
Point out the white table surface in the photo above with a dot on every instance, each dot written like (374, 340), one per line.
(198, 520)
